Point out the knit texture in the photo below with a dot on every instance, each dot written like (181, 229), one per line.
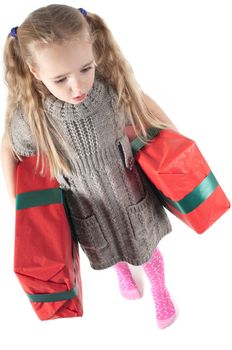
(115, 212)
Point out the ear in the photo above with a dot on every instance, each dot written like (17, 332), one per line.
(33, 71)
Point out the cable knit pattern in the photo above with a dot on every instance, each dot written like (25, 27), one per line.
(116, 214)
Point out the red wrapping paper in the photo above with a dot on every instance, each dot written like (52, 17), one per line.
(175, 165)
(46, 259)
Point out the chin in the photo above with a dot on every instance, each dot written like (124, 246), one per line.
(76, 102)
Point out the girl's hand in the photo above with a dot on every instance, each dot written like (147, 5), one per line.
(13, 201)
(129, 131)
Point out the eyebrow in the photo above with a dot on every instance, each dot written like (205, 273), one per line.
(62, 75)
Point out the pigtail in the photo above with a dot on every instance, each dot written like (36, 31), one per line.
(14, 68)
(28, 94)
(14, 72)
(112, 65)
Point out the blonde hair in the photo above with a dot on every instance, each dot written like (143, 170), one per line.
(55, 24)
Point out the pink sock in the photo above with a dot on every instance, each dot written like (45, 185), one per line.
(127, 285)
(165, 311)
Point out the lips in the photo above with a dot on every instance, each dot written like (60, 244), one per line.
(80, 98)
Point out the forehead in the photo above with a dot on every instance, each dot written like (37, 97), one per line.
(56, 58)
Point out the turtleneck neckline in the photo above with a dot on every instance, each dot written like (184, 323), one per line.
(94, 99)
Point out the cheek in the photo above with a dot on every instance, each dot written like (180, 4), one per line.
(86, 81)
(91, 78)
(56, 89)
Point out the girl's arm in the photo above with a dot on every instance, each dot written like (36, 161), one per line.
(152, 105)
(9, 165)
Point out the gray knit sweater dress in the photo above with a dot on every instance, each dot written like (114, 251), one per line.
(114, 209)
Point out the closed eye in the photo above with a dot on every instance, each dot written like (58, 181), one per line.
(61, 80)
(86, 69)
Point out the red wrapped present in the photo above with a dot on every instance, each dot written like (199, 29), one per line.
(46, 257)
(187, 186)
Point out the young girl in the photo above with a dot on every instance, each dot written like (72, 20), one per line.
(74, 99)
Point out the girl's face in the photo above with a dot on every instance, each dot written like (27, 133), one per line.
(67, 69)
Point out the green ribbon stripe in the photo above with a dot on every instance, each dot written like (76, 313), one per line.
(193, 199)
(137, 144)
(53, 296)
(38, 198)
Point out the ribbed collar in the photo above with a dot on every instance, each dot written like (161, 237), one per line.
(100, 93)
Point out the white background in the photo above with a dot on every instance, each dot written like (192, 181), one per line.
(181, 55)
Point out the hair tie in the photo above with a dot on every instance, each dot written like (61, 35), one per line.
(13, 32)
(83, 11)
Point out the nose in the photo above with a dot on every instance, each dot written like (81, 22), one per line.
(76, 87)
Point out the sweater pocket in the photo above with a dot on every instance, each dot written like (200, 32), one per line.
(141, 216)
(89, 233)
